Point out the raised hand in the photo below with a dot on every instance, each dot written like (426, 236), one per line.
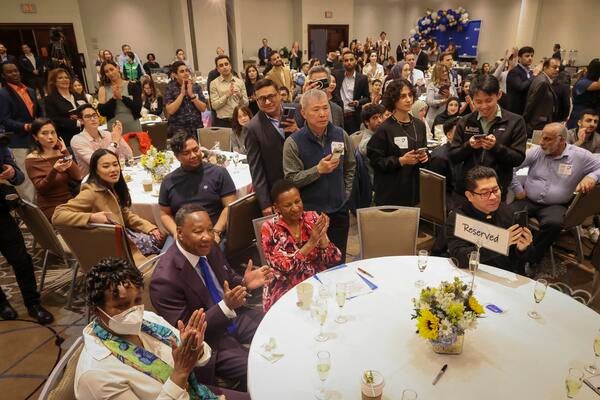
(234, 298)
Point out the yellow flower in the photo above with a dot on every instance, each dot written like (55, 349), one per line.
(475, 306)
(455, 312)
(427, 324)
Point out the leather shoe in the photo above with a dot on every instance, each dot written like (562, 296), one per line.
(7, 312)
(42, 315)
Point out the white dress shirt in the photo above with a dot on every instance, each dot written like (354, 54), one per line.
(347, 91)
(193, 259)
(101, 376)
(84, 145)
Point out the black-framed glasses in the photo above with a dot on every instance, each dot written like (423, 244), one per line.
(487, 194)
(263, 99)
(90, 116)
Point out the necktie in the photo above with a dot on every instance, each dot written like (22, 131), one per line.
(216, 297)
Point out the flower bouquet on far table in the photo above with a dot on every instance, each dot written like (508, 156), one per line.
(157, 163)
(444, 313)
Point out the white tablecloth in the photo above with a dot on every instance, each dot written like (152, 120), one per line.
(509, 355)
(145, 204)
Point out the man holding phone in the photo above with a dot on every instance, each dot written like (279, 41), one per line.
(320, 78)
(352, 92)
(184, 101)
(490, 136)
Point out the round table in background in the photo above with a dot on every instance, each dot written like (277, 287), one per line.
(145, 204)
(508, 355)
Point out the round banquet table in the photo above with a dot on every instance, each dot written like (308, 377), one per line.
(508, 355)
(145, 204)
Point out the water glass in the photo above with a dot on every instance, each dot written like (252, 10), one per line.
(573, 382)
(593, 368)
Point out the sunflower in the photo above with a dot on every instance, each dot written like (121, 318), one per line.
(475, 306)
(427, 324)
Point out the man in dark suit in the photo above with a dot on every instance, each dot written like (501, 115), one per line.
(18, 109)
(263, 52)
(4, 56)
(541, 98)
(264, 141)
(422, 57)
(194, 274)
(518, 81)
(32, 69)
(351, 92)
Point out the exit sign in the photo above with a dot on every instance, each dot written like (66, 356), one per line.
(28, 8)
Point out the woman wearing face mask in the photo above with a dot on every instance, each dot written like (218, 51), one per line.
(451, 111)
(132, 354)
(105, 199)
(295, 242)
(60, 104)
(241, 116)
(119, 99)
(50, 167)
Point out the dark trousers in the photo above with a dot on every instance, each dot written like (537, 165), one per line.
(12, 247)
(550, 217)
(351, 123)
(222, 122)
(339, 223)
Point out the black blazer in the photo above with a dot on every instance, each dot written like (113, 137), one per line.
(541, 104)
(422, 61)
(264, 147)
(517, 85)
(26, 68)
(361, 92)
(134, 103)
(14, 115)
(59, 109)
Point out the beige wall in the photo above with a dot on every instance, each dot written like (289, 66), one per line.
(210, 22)
(313, 12)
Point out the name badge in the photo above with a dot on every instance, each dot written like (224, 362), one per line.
(565, 169)
(337, 147)
(401, 141)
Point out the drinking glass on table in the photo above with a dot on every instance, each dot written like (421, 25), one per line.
(539, 291)
(593, 368)
(235, 158)
(320, 307)
(473, 266)
(422, 264)
(573, 382)
(341, 291)
(323, 368)
(409, 394)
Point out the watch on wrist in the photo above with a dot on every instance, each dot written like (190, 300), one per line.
(114, 144)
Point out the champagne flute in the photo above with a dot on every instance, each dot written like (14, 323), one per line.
(422, 264)
(473, 266)
(236, 159)
(321, 314)
(409, 394)
(323, 368)
(593, 368)
(539, 291)
(573, 382)
(341, 291)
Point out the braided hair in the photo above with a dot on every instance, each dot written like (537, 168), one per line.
(109, 273)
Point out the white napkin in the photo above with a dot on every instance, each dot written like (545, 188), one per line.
(270, 352)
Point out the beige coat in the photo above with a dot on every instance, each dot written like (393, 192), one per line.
(282, 77)
(92, 199)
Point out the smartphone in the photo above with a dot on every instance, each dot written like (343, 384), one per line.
(68, 157)
(322, 83)
(521, 218)
(479, 137)
(336, 155)
(288, 113)
(421, 150)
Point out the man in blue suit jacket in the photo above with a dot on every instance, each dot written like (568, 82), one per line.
(16, 117)
(194, 274)
(519, 79)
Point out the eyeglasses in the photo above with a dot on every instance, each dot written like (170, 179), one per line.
(487, 195)
(90, 116)
(263, 99)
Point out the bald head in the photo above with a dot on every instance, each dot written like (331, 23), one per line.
(553, 141)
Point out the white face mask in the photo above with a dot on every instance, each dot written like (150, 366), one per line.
(129, 322)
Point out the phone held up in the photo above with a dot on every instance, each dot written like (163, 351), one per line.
(521, 218)
(289, 112)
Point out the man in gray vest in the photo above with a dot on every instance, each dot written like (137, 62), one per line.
(319, 159)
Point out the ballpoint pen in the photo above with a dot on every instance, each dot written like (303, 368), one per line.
(439, 375)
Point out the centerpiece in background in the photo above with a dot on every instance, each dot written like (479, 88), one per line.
(444, 313)
(157, 163)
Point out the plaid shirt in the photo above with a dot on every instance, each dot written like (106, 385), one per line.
(187, 116)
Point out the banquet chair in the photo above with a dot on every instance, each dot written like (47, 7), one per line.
(582, 296)
(135, 146)
(387, 231)
(92, 243)
(208, 137)
(147, 269)
(60, 385)
(158, 135)
(258, 223)
(44, 234)
(432, 189)
(240, 232)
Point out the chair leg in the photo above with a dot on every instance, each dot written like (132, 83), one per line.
(72, 289)
(552, 260)
(43, 277)
(579, 244)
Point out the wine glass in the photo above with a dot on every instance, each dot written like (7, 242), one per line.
(593, 368)
(473, 266)
(539, 291)
(422, 264)
(341, 291)
(573, 382)
(409, 394)
(323, 368)
(321, 314)
(235, 158)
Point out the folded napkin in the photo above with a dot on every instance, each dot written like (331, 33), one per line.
(270, 352)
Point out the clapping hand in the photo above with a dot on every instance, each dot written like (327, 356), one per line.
(258, 277)
(116, 89)
(189, 89)
(197, 323)
(190, 350)
(234, 298)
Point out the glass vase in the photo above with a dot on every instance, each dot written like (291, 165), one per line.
(448, 346)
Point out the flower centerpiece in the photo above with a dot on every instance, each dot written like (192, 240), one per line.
(444, 313)
(158, 163)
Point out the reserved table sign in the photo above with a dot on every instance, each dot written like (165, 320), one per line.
(482, 234)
